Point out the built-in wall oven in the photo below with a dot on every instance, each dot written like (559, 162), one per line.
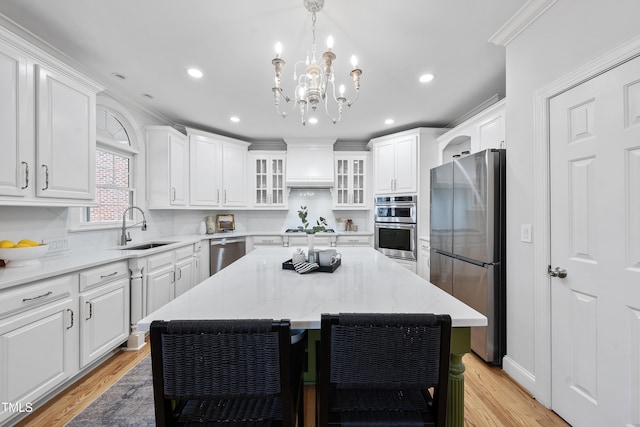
(395, 226)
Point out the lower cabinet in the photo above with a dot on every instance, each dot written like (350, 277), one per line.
(38, 341)
(353, 240)
(424, 252)
(169, 274)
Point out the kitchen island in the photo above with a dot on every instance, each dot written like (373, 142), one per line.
(257, 287)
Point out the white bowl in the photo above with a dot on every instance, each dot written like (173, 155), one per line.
(22, 257)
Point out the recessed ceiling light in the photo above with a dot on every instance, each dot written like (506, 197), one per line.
(146, 95)
(389, 122)
(195, 73)
(426, 78)
(313, 120)
(234, 119)
(119, 76)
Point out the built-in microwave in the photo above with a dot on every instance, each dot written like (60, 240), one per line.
(395, 226)
(396, 209)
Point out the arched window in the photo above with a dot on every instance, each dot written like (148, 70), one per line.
(115, 189)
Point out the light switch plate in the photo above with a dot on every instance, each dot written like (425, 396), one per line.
(525, 233)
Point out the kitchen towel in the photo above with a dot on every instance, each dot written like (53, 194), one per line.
(305, 267)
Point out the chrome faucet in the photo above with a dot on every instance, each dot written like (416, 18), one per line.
(126, 237)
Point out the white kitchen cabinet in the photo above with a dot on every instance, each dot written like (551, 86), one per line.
(302, 240)
(423, 266)
(204, 180)
(47, 128)
(104, 310)
(185, 273)
(395, 163)
(219, 177)
(482, 131)
(268, 188)
(65, 137)
(351, 177)
(17, 159)
(200, 261)
(234, 174)
(254, 242)
(353, 240)
(38, 339)
(169, 274)
(167, 167)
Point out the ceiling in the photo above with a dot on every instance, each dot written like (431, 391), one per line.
(153, 42)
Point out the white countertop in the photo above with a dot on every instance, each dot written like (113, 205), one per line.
(257, 287)
(70, 261)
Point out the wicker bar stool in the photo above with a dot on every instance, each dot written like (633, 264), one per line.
(227, 373)
(383, 370)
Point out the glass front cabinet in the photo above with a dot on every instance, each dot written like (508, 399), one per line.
(269, 189)
(351, 181)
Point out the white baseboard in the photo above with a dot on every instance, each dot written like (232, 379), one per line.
(520, 375)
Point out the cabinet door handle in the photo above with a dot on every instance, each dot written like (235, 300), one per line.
(225, 197)
(46, 177)
(90, 310)
(109, 275)
(26, 175)
(38, 297)
(179, 273)
(174, 277)
(71, 325)
(218, 196)
(173, 194)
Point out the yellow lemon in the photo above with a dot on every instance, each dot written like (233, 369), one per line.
(27, 242)
(23, 245)
(6, 244)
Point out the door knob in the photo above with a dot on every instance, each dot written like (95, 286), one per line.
(558, 272)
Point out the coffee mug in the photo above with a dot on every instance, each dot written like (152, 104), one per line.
(327, 257)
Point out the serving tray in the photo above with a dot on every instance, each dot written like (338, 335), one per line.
(288, 265)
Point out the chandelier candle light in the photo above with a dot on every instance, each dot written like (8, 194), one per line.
(312, 84)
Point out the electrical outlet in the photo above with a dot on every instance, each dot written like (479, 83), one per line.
(525, 233)
(57, 244)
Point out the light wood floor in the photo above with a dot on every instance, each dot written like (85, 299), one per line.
(491, 398)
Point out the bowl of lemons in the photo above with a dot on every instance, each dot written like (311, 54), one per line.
(22, 254)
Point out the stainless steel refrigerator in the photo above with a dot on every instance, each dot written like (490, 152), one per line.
(467, 236)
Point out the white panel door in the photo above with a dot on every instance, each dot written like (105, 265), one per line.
(595, 237)
(66, 135)
(204, 171)
(16, 158)
(406, 165)
(234, 169)
(178, 170)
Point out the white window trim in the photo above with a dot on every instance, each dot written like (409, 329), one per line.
(76, 215)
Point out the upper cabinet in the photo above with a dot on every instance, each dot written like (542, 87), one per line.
(484, 130)
(219, 177)
(47, 127)
(268, 171)
(351, 176)
(167, 167)
(395, 163)
(202, 170)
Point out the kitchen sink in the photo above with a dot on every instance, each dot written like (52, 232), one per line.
(146, 246)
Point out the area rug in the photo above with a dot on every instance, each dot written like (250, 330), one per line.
(129, 402)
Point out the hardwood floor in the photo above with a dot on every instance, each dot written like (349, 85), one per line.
(492, 399)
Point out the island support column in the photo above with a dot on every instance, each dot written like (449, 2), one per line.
(460, 344)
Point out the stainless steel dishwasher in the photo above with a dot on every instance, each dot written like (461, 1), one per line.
(225, 251)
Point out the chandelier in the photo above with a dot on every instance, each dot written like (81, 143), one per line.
(316, 82)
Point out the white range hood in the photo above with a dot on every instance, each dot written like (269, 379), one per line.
(310, 163)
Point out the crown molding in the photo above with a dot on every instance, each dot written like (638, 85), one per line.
(519, 22)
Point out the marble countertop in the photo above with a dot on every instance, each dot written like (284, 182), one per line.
(70, 261)
(256, 286)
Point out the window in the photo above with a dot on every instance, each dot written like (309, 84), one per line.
(115, 189)
(114, 192)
